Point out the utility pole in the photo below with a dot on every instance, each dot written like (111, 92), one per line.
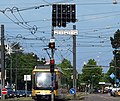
(74, 61)
(2, 62)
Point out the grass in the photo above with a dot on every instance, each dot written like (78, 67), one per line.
(17, 99)
(79, 96)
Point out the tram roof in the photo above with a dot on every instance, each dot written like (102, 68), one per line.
(48, 67)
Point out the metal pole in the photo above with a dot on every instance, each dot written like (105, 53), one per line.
(11, 72)
(16, 78)
(74, 60)
(2, 62)
(16, 70)
(92, 85)
(52, 74)
(115, 67)
(26, 86)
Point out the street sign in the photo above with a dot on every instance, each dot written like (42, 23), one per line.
(72, 91)
(112, 76)
(101, 83)
(4, 91)
(27, 77)
(117, 80)
(66, 32)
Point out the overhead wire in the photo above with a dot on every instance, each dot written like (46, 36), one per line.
(36, 36)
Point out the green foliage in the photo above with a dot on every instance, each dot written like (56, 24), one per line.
(67, 70)
(110, 71)
(21, 64)
(91, 72)
(115, 42)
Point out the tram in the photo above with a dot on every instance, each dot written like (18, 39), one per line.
(41, 83)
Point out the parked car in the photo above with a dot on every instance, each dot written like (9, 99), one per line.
(115, 92)
(29, 93)
(22, 93)
(0, 93)
(17, 93)
(118, 93)
(10, 93)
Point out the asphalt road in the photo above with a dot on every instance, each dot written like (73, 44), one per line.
(89, 97)
(100, 97)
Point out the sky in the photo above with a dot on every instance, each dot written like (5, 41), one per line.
(30, 25)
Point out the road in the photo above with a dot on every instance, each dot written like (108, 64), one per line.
(89, 97)
(100, 97)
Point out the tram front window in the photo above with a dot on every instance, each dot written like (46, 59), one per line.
(43, 80)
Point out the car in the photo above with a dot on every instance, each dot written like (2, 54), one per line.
(114, 92)
(22, 93)
(29, 93)
(10, 93)
(118, 93)
(0, 93)
(17, 93)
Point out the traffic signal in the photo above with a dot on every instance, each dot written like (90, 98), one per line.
(116, 52)
(73, 15)
(63, 15)
(52, 45)
(68, 13)
(59, 15)
(117, 56)
(54, 8)
(52, 64)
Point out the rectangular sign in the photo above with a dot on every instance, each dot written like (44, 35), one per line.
(66, 32)
(27, 77)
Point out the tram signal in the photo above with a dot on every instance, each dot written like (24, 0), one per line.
(117, 56)
(52, 64)
(68, 13)
(52, 45)
(73, 16)
(63, 14)
(59, 15)
(54, 15)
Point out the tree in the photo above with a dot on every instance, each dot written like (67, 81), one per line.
(91, 73)
(67, 70)
(115, 42)
(21, 64)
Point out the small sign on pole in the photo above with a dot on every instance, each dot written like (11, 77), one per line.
(112, 76)
(4, 91)
(72, 91)
(27, 77)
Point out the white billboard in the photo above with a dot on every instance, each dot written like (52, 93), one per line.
(66, 32)
(27, 77)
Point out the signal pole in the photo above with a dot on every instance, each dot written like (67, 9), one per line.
(115, 67)
(2, 62)
(62, 14)
(52, 74)
(74, 61)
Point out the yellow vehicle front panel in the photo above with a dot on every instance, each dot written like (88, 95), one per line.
(41, 92)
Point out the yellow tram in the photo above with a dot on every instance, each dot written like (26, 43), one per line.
(41, 83)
